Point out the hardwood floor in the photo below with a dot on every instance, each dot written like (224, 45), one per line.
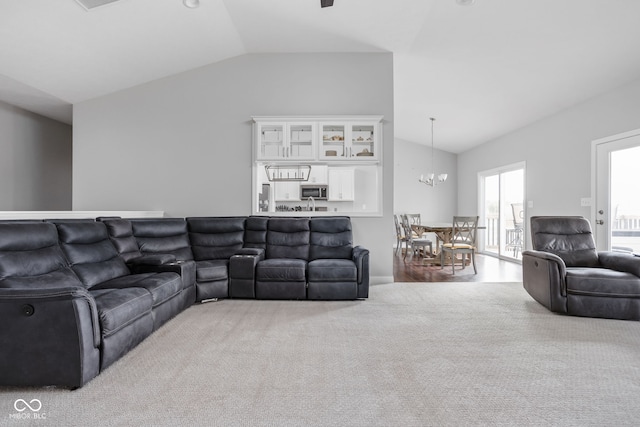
(490, 269)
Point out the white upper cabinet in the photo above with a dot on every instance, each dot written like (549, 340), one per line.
(352, 141)
(364, 138)
(285, 141)
(341, 185)
(301, 141)
(323, 139)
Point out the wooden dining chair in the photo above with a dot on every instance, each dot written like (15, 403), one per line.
(401, 237)
(414, 218)
(412, 241)
(463, 241)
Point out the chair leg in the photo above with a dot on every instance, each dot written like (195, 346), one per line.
(453, 263)
(473, 259)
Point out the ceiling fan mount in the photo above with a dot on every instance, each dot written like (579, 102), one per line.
(326, 3)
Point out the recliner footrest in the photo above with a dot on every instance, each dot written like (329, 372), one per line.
(281, 278)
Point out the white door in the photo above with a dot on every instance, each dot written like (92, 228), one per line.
(616, 211)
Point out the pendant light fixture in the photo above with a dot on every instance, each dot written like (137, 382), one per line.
(191, 4)
(430, 179)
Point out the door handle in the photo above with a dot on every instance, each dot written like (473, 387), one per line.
(599, 222)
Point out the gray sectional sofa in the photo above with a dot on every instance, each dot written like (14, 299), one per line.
(76, 295)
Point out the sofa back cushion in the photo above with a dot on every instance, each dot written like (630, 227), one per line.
(255, 232)
(331, 237)
(215, 238)
(87, 246)
(30, 257)
(288, 238)
(163, 236)
(121, 234)
(569, 237)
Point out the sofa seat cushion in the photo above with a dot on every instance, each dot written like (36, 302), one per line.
(602, 282)
(161, 286)
(118, 308)
(332, 270)
(212, 270)
(282, 269)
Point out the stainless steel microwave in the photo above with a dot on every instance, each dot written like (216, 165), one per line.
(318, 192)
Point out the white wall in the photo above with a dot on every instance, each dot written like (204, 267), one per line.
(557, 152)
(434, 204)
(183, 144)
(35, 165)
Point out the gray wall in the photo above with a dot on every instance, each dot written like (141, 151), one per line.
(183, 144)
(557, 152)
(35, 165)
(435, 204)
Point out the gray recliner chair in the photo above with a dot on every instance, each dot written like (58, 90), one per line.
(566, 273)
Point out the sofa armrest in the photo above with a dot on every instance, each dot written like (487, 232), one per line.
(48, 337)
(553, 258)
(620, 261)
(242, 272)
(186, 270)
(543, 277)
(251, 251)
(361, 258)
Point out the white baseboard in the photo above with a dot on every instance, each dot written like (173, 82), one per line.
(380, 280)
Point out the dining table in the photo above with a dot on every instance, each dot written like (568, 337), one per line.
(443, 232)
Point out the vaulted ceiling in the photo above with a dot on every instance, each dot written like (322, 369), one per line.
(482, 70)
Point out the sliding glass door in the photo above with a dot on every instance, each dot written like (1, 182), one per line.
(502, 211)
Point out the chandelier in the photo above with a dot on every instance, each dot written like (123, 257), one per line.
(430, 179)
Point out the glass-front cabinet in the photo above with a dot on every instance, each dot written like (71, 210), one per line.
(302, 142)
(285, 141)
(348, 141)
(324, 165)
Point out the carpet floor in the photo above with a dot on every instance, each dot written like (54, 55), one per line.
(413, 354)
